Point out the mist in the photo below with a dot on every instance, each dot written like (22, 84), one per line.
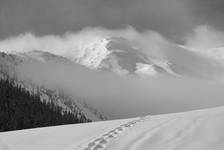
(121, 96)
(128, 95)
(73, 43)
(202, 39)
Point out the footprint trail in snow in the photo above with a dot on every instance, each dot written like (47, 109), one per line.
(101, 142)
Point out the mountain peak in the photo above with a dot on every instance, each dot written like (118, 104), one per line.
(94, 52)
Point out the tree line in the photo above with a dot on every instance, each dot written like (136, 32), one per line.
(21, 110)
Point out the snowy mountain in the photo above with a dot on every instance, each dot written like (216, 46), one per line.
(117, 55)
(194, 130)
(8, 67)
(91, 75)
(122, 56)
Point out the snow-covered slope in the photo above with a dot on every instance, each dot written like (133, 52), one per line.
(195, 130)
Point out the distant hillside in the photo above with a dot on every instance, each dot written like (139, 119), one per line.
(21, 110)
(8, 67)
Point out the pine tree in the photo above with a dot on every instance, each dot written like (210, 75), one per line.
(21, 110)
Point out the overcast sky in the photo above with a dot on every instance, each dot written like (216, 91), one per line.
(171, 18)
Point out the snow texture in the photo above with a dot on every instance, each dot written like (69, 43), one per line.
(195, 130)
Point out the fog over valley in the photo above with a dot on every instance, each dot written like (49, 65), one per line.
(124, 73)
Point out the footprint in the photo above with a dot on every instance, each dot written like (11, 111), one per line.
(103, 141)
(99, 147)
(100, 143)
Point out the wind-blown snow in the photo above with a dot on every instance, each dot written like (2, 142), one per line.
(93, 53)
(195, 130)
(145, 69)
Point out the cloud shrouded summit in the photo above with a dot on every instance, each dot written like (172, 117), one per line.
(129, 51)
(93, 47)
(160, 64)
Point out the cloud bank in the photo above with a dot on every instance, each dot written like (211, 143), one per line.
(80, 45)
(208, 41)
(169, 17)
(74, 43)
(203, 38)
(127, 96)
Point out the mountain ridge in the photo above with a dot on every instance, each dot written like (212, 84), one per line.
(8, 64)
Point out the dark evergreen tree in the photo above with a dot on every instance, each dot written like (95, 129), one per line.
(21, 110)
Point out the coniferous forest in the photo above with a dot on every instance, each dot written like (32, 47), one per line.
(21, 110)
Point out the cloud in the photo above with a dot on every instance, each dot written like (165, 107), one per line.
(113, 94)
(75, 44)
(169, 17)
(89, 46)
(207, 41)
(205, 37)
(124, 96)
